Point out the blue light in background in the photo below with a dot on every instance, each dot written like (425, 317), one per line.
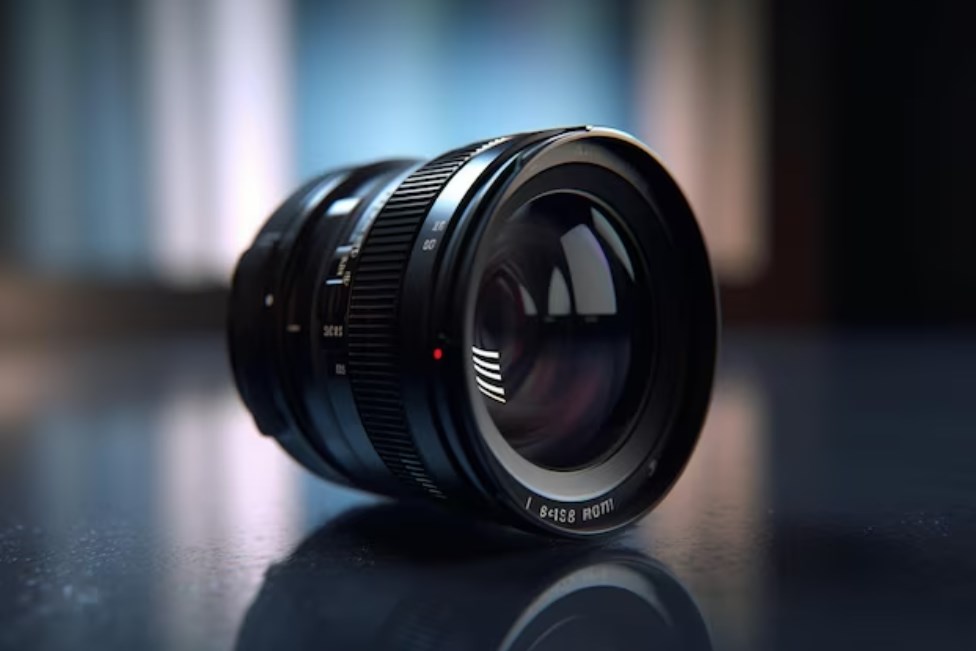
(129, 114)
(381, 78)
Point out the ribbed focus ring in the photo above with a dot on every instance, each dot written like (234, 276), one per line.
(372, 327)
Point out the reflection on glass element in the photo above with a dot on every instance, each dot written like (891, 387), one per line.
(560, 309)
(610, 235)
(593, 286)
(559, 304)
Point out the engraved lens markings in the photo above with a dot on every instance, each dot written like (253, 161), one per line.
(570, 515)
(488, 368)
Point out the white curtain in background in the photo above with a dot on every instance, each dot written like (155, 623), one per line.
(221, 89)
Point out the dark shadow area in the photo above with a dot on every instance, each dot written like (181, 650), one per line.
(904, 583)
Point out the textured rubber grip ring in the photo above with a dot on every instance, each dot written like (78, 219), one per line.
(374, 311)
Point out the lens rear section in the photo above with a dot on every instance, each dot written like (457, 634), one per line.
(524, 329)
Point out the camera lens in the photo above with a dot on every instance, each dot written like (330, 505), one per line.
(524, 328)
(557, 321)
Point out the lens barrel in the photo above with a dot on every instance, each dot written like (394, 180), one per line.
(524, 328)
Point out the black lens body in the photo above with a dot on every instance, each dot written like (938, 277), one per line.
(525, 328)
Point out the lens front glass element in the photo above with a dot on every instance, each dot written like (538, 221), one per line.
(561, 332)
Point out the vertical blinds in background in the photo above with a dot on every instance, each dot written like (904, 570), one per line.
(153, 137)
(156, 137)
(74, 111)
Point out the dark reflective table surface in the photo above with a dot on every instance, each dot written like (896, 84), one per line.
(831, 504)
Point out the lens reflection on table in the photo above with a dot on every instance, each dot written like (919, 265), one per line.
(361, 582)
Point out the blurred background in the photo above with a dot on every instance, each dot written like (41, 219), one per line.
(827, 147)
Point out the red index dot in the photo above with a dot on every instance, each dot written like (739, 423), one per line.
(438, 353)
